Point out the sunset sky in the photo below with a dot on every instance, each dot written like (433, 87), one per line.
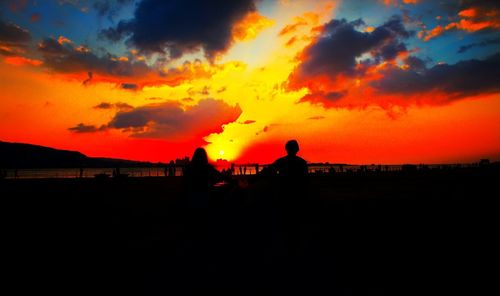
(358, 81)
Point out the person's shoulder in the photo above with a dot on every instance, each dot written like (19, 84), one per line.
(280, 160)
(301, 160)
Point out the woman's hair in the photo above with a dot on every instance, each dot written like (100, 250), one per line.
(199, 157)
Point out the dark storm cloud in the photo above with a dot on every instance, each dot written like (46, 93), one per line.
(180, 26)
(12, 37)
(415, 63)
(459, 80)
(483, 43)
(170, 120)
(82, 128)
(390, 51)
(66, 57)
(340, 43)
(486, 4)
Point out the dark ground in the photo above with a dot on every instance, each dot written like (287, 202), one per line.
(416, 233)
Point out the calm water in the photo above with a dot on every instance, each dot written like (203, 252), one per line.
(160, 172)
(87, 173)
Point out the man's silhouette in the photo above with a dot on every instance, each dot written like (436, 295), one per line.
(291, 166)
(289, 196)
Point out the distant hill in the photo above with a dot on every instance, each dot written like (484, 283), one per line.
(17, 155)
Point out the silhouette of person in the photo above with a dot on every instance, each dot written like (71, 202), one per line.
(198, 178)
(291, 166)
(171, 168)
(199, 175)
(116, 172)
(288, 194)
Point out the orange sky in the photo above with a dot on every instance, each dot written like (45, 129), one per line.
(246, 103)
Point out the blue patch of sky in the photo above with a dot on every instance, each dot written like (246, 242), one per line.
(443, 48)
(371, 12)
(78, 22)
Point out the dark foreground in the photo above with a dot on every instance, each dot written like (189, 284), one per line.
(414, 233)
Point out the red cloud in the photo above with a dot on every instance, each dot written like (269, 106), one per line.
(22, 61)
(472, 19)
(250, 26)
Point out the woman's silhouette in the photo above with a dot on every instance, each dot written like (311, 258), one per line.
(199, 177)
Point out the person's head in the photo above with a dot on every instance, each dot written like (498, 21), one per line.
(199, 157)
(292, 147)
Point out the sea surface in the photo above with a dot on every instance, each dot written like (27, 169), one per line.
(162, 172)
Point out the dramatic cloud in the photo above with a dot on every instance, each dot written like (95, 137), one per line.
(62, 55)
(459, 80)
(12, 38)
(176, 27)
(169, 120)
(335, 51)
(347, 67)
(129, 72)
(336, 55)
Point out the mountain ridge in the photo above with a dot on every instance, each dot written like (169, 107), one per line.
(22, 155)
